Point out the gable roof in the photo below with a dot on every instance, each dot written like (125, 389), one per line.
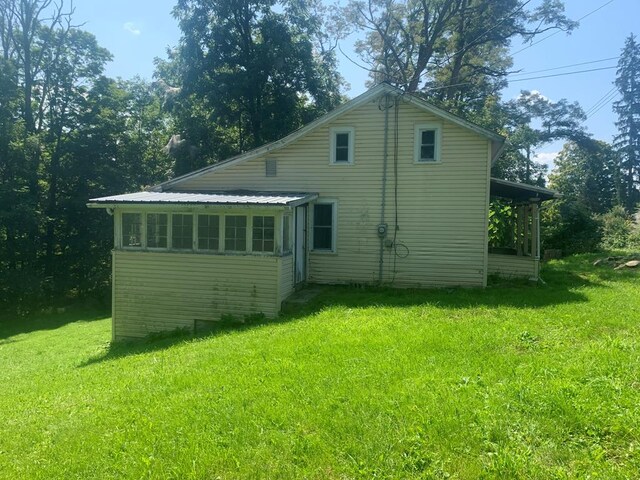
(382, 88)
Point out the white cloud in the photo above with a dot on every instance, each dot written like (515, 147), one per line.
(132, 28)
(533, 94)
(548, 158)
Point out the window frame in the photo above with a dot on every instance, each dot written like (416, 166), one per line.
(146, 231)
(274, 239)
(287, 234)
(333, 133)
(193, 225)
(417, 140)
(334, 226)
(143, 234)
(247, 232)
(220, 217)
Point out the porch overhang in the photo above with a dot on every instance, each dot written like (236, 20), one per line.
(236, 198)
(521, 192)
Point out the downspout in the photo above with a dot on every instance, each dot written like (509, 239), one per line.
(382, 230)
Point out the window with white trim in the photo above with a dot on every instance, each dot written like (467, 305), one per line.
(157, 224)
(427, 143)
(324, 226)
(182, 231)
(208, 232)
(132, 230)
(342, 141)
(263, 234)
(235, 233)
(286, 234)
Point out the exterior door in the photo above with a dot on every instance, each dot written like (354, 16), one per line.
(300, 244)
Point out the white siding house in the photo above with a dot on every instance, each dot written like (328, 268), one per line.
(387, 189)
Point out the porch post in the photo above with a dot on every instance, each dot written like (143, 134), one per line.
(535, 230)
(527, 230)
(535, 237)
(519, 229)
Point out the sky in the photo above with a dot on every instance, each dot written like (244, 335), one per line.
(137, 31)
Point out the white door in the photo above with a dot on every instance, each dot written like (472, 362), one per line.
(301, 244)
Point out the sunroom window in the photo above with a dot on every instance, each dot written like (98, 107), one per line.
(208, 232)
(263, 234)
(182, 231)
(235, 233)
(131, 230)
(157, 230)
(286, 234)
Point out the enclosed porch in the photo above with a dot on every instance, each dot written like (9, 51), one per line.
(514, 248)
(184, 260)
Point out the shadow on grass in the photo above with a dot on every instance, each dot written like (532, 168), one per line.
(564, 279)
(11, 325)
(164, 340)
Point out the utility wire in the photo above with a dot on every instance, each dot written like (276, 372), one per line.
(598, 103)
(558, 31)
(565, 66)
(605, 103)
(561, 74)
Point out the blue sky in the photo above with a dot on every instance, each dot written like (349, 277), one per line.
(137, 31)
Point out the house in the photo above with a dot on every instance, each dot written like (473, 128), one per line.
(386, 189)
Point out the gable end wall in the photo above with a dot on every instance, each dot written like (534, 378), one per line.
(442, 208)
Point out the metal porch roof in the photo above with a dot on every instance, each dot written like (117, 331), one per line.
(238, 197)
(520, 191)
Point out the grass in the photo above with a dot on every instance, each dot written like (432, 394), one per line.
(514, 381)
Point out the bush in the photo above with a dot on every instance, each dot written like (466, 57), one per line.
(569, 226)
(617, 229)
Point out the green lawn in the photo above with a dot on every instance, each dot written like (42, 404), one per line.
(515, 381)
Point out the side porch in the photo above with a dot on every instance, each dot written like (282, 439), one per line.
(514, 244)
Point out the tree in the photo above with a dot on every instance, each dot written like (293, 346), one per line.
(248, 73)
(627, 142)
(587, 172)
(531, 121)
(451, 48)
(66, 134)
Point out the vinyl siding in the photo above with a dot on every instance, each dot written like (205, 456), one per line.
(286, 277)
(164, 291)
(512, 266)
(442, 208)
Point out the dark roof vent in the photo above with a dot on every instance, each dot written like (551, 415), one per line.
(271, 167)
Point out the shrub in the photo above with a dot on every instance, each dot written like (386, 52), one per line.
(617, 228)
(569, 226)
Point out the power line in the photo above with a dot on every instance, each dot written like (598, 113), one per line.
(566, 66)
(600, 107)
(558, 31)
(561, 74)
(607, 99)
(602, 99)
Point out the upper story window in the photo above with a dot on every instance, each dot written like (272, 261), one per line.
(157, 230)
(235, 233)
(263, 234)
(427, 143)
(342, 141)
(182, 231)
(208, 232)
(324, 232)
(131, 229)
